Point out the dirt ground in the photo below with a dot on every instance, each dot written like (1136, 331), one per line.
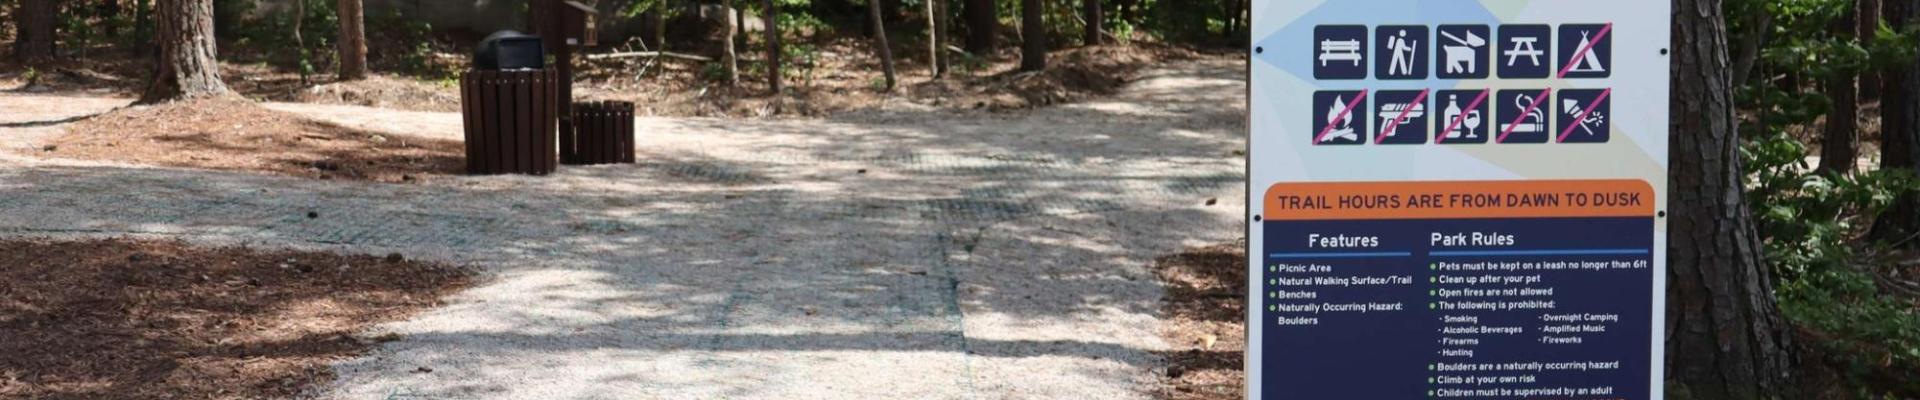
(838, 76)
(1204, 313)
(844, 75)
(133, 319)
(237, 134)
(972, 258)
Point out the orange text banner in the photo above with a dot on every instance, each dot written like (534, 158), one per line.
(1458, 199)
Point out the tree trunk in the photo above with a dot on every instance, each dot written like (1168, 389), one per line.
(729, 55)
(109, 12)
(1236, 21)
(1748, 53)
(1228, 20)
(1096, 23)
(1900, 132)
(772, 18)
(185, 67)
(942, 58)
(660, 25)
(740, 37)
(1867, 13)
(1726, 339)
(1033, 35)
(880, 42)
(143, 25)
(933, 38)
(983, 27)
(1839, 148)
(353, 40)
(300, 41)
(34, 23)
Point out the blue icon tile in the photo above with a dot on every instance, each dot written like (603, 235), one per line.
(1339, 117)
(1525, 115)
(1461, 51)
(1402, 53)
(1463, 116)
(1585, 51)
(1585, 115)
(1340, 52)
(1526, 51)
(1402, 116)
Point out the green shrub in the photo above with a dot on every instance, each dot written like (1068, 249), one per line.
(1812, 225)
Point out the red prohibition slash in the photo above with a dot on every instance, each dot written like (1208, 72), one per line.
(1339, 117)
(1537, 100)
(1397, 119)
(1583, 50)
(1455, 123)
(1583, 114)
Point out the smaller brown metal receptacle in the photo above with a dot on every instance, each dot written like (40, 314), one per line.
(511, 118)
(602, 134)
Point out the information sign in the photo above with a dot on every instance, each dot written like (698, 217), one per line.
(1457, 199)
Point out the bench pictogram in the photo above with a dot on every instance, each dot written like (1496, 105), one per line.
(1340, 52)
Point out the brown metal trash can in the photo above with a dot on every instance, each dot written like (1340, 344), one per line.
(511, 119)
(602, 134)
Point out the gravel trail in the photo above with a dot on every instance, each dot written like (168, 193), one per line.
(900, 253)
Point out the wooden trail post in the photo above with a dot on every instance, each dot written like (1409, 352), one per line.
(562, 25)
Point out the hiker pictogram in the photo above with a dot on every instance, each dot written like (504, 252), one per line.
(1402, 52)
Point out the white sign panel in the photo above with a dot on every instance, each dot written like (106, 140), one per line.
(1457, 199)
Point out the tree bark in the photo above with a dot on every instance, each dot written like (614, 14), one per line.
(1748, 54)
(108, 12)
(941, 58)
(1726, 339)
(1033, 35)
(353, 40)
(729, 55)
(933, 38)
(143, 25)
(1237, 22)
(300, 41)
(933, 41)
(1867, 25)
(881, 44)
(1840, 147)
(186, 67)
(1096, 24)
(983, 27)
(772, 17)
(34, 24)
(660, 25)
(740, 36)
(1900, 132)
